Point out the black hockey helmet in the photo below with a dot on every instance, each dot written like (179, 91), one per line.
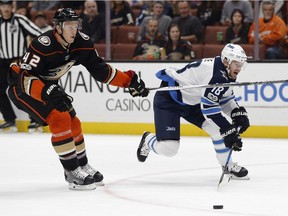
(65, 14)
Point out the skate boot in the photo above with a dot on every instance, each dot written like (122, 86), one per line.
(79, 180)
(237, 172)
(143, 149)
(8, 127)
(35, 127)
(95, 173)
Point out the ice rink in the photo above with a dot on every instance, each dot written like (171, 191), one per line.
(32, 181)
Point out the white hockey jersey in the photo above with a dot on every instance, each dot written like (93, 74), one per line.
(214, 101)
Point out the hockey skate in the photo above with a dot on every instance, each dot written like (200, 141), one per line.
(8, 127)
(95, 173)
(236, 172)
(79, 180)
(35, 127)
(143, 149)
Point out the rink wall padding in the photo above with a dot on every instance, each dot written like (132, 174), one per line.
(105, 109)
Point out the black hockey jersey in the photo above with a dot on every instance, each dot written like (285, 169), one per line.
(48, 60)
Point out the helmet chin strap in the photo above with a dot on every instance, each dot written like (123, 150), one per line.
(227, 67)
(228, 70)
(61, 35)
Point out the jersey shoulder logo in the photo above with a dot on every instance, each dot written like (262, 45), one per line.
(84, 36)
(45, 40)
(224, 74)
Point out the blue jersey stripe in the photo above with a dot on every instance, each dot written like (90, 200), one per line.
(211, 111)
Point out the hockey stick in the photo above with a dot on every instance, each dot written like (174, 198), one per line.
(170, 88)
(225, 167)
(226, 164)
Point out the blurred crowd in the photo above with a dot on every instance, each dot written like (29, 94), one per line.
(168, 29)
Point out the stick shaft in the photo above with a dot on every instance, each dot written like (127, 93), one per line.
(225, 167)
(169, 88)
(227, 160)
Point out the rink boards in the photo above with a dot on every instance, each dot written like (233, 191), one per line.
(107, 109)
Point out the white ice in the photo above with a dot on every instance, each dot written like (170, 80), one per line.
(32, 182)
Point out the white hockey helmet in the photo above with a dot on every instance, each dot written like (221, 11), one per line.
(233, 52)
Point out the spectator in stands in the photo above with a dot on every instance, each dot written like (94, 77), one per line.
(23, 8)
(209, 13)
(163, 20)
(176, 48)
(40, 20)
(278, 8)
(22, 4)
(146, 10)
(121, 13)
(44, 5)
(168, 10)
(272, 31)
(237, 32)
(190, 26)
(174, 8)
(148, 47)
(93, 23)
(230, 5)
(136, 3)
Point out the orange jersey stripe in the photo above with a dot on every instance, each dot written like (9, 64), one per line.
(44, 54)
(121, 79)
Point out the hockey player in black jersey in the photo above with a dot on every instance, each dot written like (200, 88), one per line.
(35, 90)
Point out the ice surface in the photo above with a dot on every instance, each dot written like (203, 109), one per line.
(32, 181)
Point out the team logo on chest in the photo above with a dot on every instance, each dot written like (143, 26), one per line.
(45, 40)
(57, 73)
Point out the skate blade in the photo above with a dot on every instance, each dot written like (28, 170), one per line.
(73, 186)
(35, 130)
(101, 183)
(240, 178)
(9, 130)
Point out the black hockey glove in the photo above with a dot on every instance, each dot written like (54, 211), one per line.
(137, 85)
(231, 138)
(55, 95)
(240, 119)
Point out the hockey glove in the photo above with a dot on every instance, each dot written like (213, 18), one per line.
(231, 138)
(55, 95)
(240, 119)
(137, 85)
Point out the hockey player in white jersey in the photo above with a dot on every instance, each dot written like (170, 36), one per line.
(203, 107)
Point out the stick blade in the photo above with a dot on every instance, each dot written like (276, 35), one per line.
(223, 181)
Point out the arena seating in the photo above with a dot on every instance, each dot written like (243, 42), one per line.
(127, 34)
(210, 34)
(123, 51)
